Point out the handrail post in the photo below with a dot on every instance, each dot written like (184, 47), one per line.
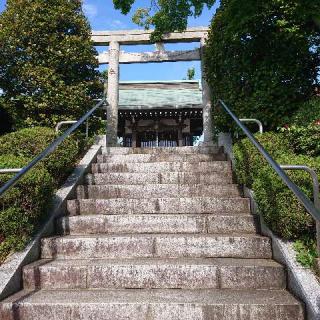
(61, 123)
(258, 122)
(6, 171)
(316, 199)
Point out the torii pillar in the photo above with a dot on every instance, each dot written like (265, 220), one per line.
(113, 95)
(206, 101)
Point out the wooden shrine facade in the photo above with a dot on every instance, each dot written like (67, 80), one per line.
(160, 113)
(153, 124)
(154, 128)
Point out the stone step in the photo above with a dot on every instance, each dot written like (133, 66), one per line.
(193, 205)
(151, 273)
(159, 178)
(158, 167)
(156, 190)
(157, 245)
(159, 223)
(153, 304)
(145, 158)
(168, 150)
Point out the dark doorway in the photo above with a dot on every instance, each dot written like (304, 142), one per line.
(157, 139)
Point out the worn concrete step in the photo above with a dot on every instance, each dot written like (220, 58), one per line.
(158, 205)
(168, 150)
(162, 157)
(158, 167)
(153, 304)
(168, 223)
(183, 273)
(159, 178)
(156, 190)
(156, 245)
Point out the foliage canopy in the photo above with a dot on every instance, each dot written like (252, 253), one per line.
(263, 57)
(172, 15)
(191, 72)
(47, 67)
(164, 15)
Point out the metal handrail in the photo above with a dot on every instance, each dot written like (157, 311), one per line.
(258, 122)
(304, 200)
(5, 171)
(50, 148)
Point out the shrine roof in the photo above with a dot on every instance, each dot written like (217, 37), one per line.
(160, 94)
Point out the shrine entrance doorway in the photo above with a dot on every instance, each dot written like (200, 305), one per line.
(157, 139)
(159, 127)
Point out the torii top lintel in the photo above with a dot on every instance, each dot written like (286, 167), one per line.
(131, 37)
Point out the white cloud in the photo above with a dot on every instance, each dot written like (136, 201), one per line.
(117, 24)
(90, 10)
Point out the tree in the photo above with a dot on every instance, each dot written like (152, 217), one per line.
(263, 57)
(164, 15)
(172, 15)
(5, 121)
(48, 62)
(190, 74)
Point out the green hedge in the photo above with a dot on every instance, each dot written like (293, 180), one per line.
(304, 132)
(280, 208)
(32, 141)
(308, 113)
(249, 160)
(304, 139)
(278, 205)
(23, 206)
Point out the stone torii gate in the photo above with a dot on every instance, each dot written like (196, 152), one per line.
(113, 57)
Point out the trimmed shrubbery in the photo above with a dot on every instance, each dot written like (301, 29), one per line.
(47, 74)
(248, 158)
(304, 139)
(308, 113)
(296, 144)
(23, 206)
(280, 208)
(304, 134)
(32, 141)
(278, 205)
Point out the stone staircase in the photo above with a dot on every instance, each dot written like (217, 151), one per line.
(156, 234)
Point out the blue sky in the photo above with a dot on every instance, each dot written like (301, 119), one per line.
(102, 16)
